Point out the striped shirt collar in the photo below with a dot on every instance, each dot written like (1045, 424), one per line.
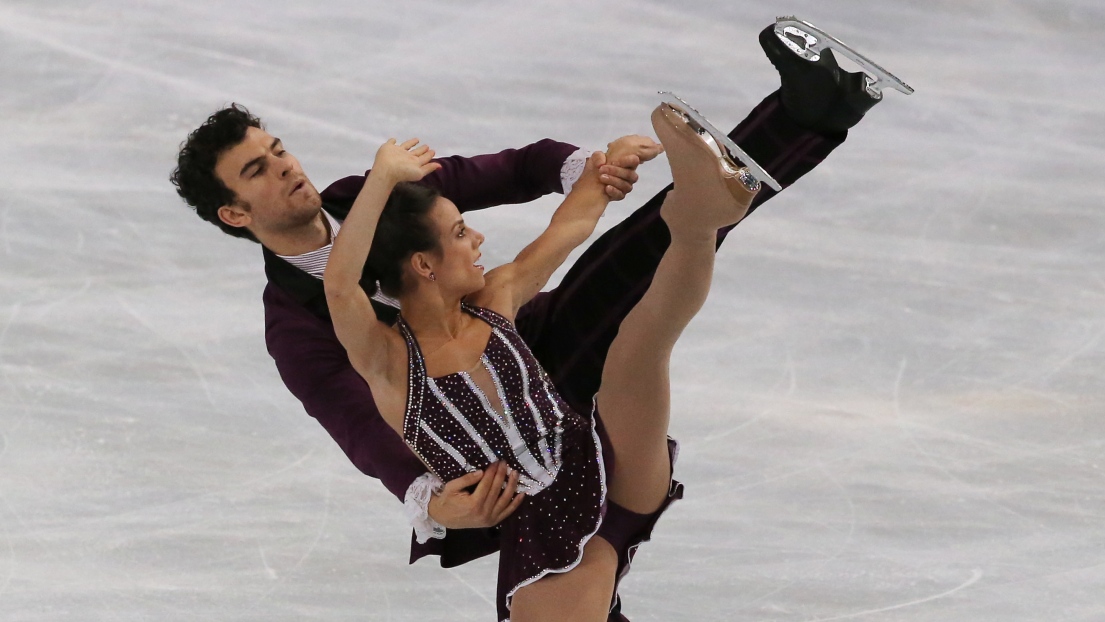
(314, 262)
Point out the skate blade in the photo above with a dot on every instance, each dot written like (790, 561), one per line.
(808, 41)
(727, 151)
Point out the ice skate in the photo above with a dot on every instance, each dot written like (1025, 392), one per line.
(710, 192)
(815, 91)
(727, 153)
(810, 42)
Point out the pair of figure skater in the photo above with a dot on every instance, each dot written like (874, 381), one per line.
(249, 185)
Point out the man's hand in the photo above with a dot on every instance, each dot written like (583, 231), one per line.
(488, 505)
(623, 156)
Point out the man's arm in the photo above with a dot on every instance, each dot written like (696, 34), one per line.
(316, 369)
(508, 177)
(472, 183)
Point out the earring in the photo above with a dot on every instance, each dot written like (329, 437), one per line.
(432, 277)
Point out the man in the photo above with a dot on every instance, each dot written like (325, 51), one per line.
(240, 178)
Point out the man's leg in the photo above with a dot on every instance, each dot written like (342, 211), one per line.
(571, 327)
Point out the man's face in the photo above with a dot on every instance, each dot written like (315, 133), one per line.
(273, 194)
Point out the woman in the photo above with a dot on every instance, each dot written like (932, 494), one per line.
(455, 380)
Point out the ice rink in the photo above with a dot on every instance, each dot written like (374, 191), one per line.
(891, 407)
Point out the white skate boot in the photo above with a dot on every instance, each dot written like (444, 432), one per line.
(728, 153)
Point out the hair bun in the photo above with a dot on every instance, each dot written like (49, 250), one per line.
(369, 283)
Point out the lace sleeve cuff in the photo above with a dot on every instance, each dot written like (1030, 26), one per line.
(573, 168)
(416, 504)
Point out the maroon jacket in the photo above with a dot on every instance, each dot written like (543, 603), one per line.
(314, 365)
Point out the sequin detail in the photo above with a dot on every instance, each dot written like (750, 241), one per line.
(552, 458)
(466, 425)
(534, 477)
(453, 453)
(466, 438)
(453, 425)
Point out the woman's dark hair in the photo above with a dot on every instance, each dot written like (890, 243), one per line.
(194, 176)
(404, 229)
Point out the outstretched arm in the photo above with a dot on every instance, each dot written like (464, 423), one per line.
(364, 336)
(507, 177)
(512, 285)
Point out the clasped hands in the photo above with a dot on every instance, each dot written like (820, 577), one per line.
(617, 167)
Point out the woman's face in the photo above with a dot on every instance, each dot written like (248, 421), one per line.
(456, 264)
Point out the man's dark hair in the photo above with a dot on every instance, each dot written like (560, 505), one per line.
(404, 229)
(194, 176)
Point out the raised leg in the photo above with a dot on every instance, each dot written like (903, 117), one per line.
(634, 396)
(790, 132)
(571, 327)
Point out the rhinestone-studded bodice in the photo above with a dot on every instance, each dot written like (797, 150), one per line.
(451, 424)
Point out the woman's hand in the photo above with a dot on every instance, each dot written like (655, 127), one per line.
(404, 162)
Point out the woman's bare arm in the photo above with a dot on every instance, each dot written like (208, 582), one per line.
(514, 284)
(355, 323)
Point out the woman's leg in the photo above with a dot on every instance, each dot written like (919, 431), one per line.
(571, 327)
(580, 595)
(634, 396)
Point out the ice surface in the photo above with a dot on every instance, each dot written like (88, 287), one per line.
(891, 407)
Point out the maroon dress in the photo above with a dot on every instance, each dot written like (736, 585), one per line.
(451, 424)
